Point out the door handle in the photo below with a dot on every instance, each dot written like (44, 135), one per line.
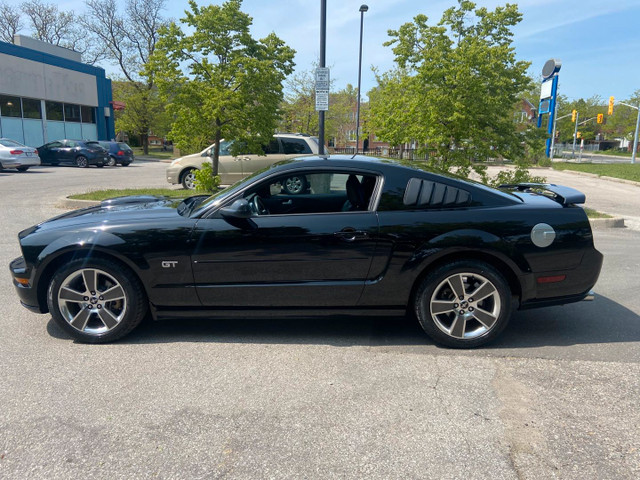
(288, 202)
(350, 234)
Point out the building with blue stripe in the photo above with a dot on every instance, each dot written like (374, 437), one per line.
(47, 94)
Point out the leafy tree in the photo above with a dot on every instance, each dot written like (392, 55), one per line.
(11, 22)
(130, 39)
(233, 85)
(61, 28)
(454, 87)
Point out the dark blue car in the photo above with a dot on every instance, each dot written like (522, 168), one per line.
(119, 153)
(80, 153)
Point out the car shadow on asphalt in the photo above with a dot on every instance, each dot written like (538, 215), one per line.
(599, 322)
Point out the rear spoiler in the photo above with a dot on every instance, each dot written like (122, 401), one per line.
(560, 193)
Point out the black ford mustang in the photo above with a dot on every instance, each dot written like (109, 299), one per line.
(367, 237)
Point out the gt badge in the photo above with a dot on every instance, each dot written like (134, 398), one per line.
(169, 263)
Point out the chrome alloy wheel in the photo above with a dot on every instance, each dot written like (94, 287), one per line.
(294, 185)
(92, 301)
(465, 306)
(189, 180)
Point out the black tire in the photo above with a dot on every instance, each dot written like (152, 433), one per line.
(126, 164)
(465, 322)
(99, 165)
(187, 178)
(77, 306)
(81, 161)
(295, 185)
(22, 169)
(112, 162)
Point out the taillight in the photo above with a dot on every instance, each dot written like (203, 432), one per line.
(37, 152)
(120, 152)
(16, 152)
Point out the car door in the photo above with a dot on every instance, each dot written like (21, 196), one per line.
(48, 152)
(313, 259)
(65, 153)
(252, 163)
(229, 167)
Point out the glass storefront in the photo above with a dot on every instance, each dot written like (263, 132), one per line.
(21, 119)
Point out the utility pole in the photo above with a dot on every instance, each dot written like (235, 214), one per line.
(635, 135)
(553, 142)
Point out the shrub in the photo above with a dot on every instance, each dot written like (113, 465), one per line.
(206, 181)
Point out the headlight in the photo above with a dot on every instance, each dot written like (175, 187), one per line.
(173, 162)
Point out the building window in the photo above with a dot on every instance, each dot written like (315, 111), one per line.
(88, 114)
(31, 108)
(71, 112)
(10, 106)
(54, 111)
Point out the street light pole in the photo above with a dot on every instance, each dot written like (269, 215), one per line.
(363, 8)
(575, 136)
(323, 43)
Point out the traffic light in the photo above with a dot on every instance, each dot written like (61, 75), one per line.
(600, 117)
(573, 115)
(610, 111)
(579, 135)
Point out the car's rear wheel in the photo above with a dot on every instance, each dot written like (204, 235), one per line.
(294, 185)
(126, 164)
(96, 300)
(111, 162)
(463, 304)
(81, 161)
(22, 169)
(188, 179)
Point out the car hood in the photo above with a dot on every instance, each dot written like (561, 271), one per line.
(122, 210)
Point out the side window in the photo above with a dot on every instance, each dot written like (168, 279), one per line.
(427, 194)
(224, 148)
(70, 143)
(272, 147)
(295, 146)
(324, 192)
(53, 145)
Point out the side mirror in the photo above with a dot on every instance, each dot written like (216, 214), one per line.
(239, 215)
(238, 209)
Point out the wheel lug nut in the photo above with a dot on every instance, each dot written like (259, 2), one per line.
(101, 297)
(86, 299)
(471, 299)
(461, 312)
(99, 306)
(471, 309)
(455, 305)
(461, 297)
(93, 293)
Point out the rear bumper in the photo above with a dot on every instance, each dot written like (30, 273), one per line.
(16, 162)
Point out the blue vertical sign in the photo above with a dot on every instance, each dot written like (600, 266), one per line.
(549, 97)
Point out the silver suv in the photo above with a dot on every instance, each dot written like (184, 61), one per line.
(231, 169)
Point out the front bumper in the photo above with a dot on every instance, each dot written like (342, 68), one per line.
(23, 282)
(173, 174)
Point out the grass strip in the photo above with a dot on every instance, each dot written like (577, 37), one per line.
(100, 195)
(625, 171)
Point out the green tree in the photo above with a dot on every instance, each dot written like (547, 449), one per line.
(232, 87)
(454, 87)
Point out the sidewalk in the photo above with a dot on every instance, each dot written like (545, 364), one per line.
(606, 196)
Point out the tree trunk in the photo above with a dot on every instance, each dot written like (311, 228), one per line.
(216, 150)
(144, 139)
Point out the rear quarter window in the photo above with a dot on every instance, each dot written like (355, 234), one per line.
(421, 193)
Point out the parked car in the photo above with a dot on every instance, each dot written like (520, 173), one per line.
(80, 153)
(369, 237)
(18, 156)
(233, 168)
(119, 153)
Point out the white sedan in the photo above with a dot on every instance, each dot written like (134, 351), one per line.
(18, 156)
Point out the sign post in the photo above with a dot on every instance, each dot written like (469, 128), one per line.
(548, 99)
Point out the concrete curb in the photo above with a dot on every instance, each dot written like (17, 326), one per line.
(592, 175)
(72, 203)
(599, 223)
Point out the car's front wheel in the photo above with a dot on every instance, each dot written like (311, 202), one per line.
(111, 162)
(188, 179)
(96, 300)
(463, 304)
(81, 161)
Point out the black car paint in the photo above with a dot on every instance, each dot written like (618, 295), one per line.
(67, 151)
(199, 265)
(119, 151)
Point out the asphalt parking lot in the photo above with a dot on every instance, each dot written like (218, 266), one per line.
(555, 397)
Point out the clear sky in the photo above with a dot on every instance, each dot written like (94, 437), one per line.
(598, 41)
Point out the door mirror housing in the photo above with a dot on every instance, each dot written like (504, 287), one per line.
(238, 209)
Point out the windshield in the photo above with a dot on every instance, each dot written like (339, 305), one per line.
(10, 143)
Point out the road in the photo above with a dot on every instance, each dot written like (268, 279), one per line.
(555, 397)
